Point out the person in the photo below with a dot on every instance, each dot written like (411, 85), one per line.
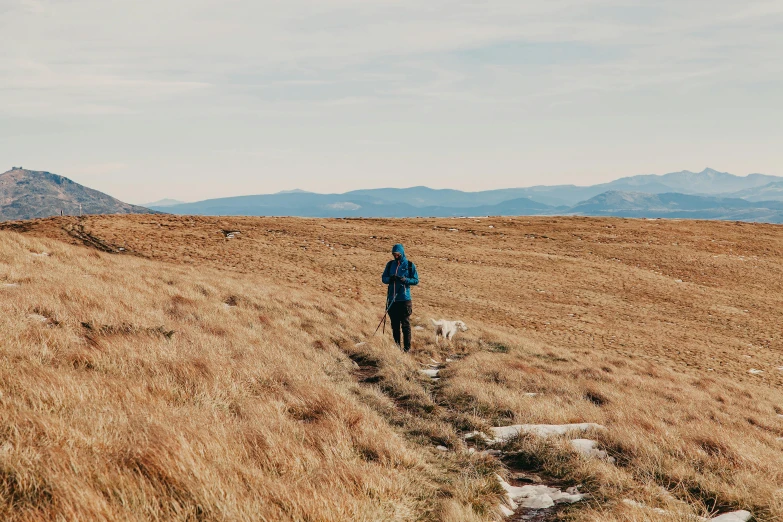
(400, 274)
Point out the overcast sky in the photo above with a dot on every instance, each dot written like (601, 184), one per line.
(193, 99)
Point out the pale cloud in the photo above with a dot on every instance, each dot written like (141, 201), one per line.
(573, 90)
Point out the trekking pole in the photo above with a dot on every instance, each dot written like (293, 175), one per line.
(383, 319)
(385, 313)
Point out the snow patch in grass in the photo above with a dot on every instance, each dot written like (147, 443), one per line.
(430, 373)
(38, 317)
(734, 516)
(589, 448)
(502, 434)
(537, 496)
(755, 371)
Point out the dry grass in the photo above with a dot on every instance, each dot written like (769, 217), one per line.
(251, 408)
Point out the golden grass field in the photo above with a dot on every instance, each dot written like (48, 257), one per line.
(193, 377)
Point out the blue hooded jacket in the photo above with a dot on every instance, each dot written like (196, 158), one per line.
(401, 290)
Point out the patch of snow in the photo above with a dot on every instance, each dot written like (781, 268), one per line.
(430, 373)
(780, 368)
(38, 317)
(678, 280)
(504, 433)
(42, 254)
(734, 516)
(359, 344)
(589, 449)
(344, 205)
(530, 394)
(491, 226)
(755, 371)
(453, 230)
(11, 285)
(441, 448)
(418, 328)
(537, 496)
(507, 511)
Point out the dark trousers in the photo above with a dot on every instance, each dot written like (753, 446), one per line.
(400, 315)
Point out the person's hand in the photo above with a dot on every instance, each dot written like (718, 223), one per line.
(403, 280)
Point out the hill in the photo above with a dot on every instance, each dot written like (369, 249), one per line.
(309, 204)
(770, 192)
(709, 181)
(164, 203)
(26, 194)
(672, 205)
(202, 374)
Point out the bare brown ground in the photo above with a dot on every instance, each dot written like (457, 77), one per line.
(254, 410)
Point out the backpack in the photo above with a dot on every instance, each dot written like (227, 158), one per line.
(410, 269)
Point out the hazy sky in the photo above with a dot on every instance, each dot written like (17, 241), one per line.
(194, 99)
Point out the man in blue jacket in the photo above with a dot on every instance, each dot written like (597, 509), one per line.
(400, 274)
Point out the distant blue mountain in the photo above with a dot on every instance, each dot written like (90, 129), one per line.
(702, 194)
(163, 203)
(769, 192)
(675, 205)
(308, 204)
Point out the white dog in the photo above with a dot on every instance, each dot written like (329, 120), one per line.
(447, 329)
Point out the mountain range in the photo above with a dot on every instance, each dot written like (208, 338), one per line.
(27, 194)
(709, 194)
(704, 195)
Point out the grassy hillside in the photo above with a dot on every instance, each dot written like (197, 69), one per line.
(27, 194)
(196, 376)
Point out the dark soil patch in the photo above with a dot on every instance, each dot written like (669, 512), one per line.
(366, 371)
